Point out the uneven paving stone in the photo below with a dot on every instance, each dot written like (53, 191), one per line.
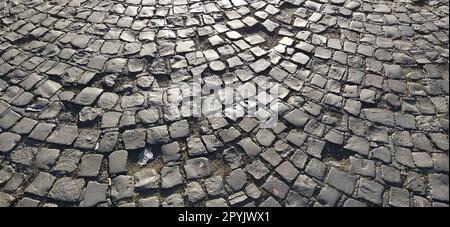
(8, 141)
(195, 192)
(328, 197)
(122, 187)
(287, 171)
(399, 197)
(147, 178)
(249, 147)
(67, 189)
(41, 184)
(236, 179)
(6, 199)
(118, 162)
(171, 103)
(149, 202)
(197, 168)
(95, 194)
(68, 161)
(276, 187)
(170, 177)
(134, 139)
(64, 135)
(174, 200)
(90, 165)
(24, 155)
(87, 96)
(371, 191)
(341, 180)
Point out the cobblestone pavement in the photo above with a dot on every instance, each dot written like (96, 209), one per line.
(86, 100)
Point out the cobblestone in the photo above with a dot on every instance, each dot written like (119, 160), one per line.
(88, 88)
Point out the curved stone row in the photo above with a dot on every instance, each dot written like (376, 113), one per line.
(90, 104)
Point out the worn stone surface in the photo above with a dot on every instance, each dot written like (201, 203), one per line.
(129, 103)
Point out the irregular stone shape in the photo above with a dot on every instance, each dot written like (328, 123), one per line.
(67, 189)
(252, 191)
(328, 197)
(148, 116)
(300, 58)
(41, 184)
(362, 167)
(297, 118)
(95, 194)
(107, 143)
(196, 147)
(118, 162)
(64, 135)
(371, 191)
(6, 200)
(249, 147)
(131, 101)
(87, 139)
(24, 155)
(68, 161)
(399, 197)
(87, 96)
(214, 186)
(41, 131)
(287, 171)
(122, 187)
(341, 180)
(270, 202)
(381, 116)
(260, 65)
(175, 200)
(296, 137)
(194, 192)
(272, 157)
(171, 177)
(179, 129)
(276, 187)
(157, 135)
(404, 157)
(134, 139)
(265, 137)
(90, 165)
(147, 179)
(8, 141)
(358, 144)
(170, 152)
(257, 169)
(149, 202)
(236, 179)
(422, 160)
(212, 143)
(439, 187)
(304, 185)
(229, 134)
(295, 200)
(197, 168)
(89, 114)
(14, 182)
(6, 173)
